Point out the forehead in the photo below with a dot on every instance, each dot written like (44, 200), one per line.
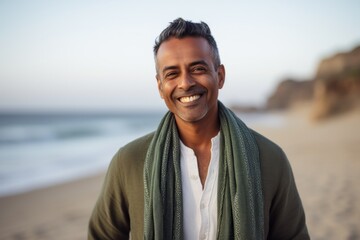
(175, 51)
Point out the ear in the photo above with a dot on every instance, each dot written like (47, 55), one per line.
(159, 83)
(221, 76)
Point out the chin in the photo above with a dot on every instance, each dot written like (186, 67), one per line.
(192, 118)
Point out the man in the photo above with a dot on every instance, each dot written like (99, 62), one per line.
(202, 174)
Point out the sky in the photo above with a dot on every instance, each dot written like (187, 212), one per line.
(97, 55)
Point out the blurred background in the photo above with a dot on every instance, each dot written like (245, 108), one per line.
(77, 81)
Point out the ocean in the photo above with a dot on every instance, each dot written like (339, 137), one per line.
(40, 150)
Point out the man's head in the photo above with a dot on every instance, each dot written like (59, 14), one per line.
(188, 71)
(180, 28)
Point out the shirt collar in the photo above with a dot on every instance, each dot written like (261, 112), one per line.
(215, 145)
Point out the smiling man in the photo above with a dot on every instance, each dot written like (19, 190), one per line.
(203, 174)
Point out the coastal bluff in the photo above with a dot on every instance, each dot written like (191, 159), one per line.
(290, 92)
(334, 89)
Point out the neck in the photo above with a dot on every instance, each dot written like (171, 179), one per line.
(200, 133)
(197, 136)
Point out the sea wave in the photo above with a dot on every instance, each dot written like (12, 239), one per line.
(31, 131)
(38, 151)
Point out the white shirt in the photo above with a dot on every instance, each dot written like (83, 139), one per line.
(199, 205)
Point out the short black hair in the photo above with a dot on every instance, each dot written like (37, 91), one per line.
(181, 28)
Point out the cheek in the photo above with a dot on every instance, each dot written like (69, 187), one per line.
(161, 90)
(161, 93)
(166, 90)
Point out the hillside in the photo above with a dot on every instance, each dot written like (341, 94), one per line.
(333, 90)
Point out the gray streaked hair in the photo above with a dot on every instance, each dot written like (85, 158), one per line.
(181, 28)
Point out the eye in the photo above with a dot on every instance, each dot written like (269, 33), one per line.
(171, 75)
(199, 69)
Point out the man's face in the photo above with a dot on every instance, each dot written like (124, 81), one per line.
(187, 79)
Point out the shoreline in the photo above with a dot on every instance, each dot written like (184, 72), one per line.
(49, 162)
(55, 183)
(325, 161)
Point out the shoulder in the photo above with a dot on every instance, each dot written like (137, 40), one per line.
(129, 160)
(269, 151)
(265, 144)
(275, 167)
(136, 147)
(133, 153)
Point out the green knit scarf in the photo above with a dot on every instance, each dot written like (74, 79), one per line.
(240, 200)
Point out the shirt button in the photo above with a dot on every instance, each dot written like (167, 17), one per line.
(202, 206)
(203, 237)
(194, 177)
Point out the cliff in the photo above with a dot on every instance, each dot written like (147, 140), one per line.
(289, 92)
(334, 89)
(337, 84)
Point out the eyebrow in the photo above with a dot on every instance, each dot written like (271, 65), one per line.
(200, 62)
(169, 68)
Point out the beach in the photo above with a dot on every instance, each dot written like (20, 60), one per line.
(325, 157)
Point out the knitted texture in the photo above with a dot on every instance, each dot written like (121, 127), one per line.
(240, 201)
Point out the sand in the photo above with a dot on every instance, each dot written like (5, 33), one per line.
(325, 158)
(59, 212)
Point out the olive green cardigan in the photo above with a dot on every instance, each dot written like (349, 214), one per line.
(119, 211)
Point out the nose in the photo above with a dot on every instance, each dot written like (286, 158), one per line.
(186, 81)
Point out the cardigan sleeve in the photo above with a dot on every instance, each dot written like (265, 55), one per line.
(110, 217)
(287, 217)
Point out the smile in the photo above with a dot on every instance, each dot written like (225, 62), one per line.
(189, 98)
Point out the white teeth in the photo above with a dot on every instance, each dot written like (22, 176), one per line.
(189, 99)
